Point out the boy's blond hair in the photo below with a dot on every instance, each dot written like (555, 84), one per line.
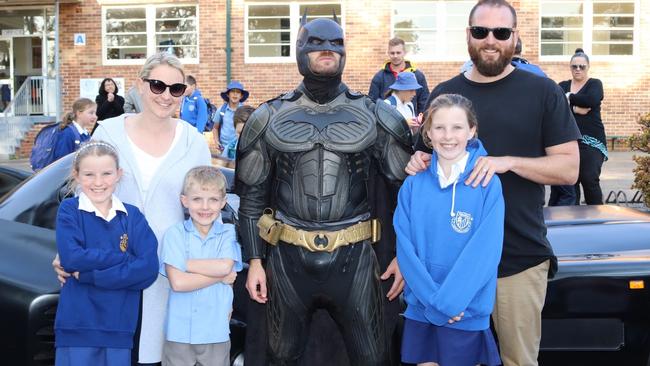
(205, 176)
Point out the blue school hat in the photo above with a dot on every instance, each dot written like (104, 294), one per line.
(235, 85)
(405, 81)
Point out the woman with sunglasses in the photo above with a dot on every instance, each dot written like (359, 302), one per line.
(585, 95)
(156, 151)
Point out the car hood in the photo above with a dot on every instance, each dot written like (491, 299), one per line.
(26, 254)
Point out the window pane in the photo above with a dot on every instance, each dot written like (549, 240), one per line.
(320, 10)
(116, 26)
(181, 25)
(414, 8)
(126, 53)
(126, 40)
(416, 36)
(559, 49)
(561, 22)
(422, 22)
(268, 10)
(613, 49)
(268, 37)
(614, 8)
(263, 24)
(613, 35)
(180, 51)
(127, 13)
(171, 39)
(614, 21)
(562, 35)
(566, 8)
(268, 51)
(175, 12)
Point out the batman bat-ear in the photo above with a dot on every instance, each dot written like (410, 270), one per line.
(303, 20)
(334, 17)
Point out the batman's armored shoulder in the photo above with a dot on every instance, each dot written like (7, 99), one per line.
(391, 121)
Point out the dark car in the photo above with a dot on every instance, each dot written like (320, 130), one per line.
(28, 286)
(599, 300)
(10, 178)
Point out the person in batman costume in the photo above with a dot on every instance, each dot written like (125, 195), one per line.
(309, 164)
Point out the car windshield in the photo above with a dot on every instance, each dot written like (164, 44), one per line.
(38, 199)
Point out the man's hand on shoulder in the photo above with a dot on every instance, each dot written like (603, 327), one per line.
(418, 162)
(486, 167)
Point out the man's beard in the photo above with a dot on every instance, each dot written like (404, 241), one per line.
(491, 68)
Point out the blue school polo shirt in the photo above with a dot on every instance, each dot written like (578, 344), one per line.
(201, 316)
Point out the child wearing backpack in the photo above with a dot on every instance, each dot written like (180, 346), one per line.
(224, 132)
(58, 140)
(194, 110)
(400, 94)
(111, 252)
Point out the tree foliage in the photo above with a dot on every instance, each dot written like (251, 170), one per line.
(641, 142)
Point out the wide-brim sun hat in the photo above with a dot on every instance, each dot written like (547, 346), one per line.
(235, 85)
(405, 81)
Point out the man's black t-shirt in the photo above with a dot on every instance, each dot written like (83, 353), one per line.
(519, 115)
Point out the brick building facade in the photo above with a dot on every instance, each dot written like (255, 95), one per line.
(368, 27)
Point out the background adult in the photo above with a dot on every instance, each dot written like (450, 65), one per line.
(156, 152)
(385, 77)
(585, 95)
(530, 136)
(109, 104)
(132, 101)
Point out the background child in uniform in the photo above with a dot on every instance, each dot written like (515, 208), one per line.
(111, 251)
(75, 127)
(239, 119)
(224, 127)
(449, 240)
(400, 94)
(200, 256)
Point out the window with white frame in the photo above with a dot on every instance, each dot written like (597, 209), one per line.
(432, 29)
(132, 33)
(600, 27)
(271, 29)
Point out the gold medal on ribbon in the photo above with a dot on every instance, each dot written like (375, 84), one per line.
(124, 242)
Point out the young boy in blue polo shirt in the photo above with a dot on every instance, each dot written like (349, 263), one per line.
(200, 257)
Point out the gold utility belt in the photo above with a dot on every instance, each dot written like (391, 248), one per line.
(272, 231)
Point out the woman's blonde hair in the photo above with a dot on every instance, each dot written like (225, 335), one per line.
(160, 58)
(447, 101)
(79, 105)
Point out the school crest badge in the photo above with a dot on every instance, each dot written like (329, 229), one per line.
(461, 222)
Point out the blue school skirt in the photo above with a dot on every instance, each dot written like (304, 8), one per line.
(95, 356)
(424, 342)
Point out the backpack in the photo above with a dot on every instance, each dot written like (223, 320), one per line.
(212, 111)
(43, 151)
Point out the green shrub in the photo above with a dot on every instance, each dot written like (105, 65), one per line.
(641, 142)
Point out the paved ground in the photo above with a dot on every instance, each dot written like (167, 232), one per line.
(616, 176)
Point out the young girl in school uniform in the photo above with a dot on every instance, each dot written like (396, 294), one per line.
(449, 239)
(111, 251)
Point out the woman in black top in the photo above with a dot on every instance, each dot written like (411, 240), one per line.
(585, 95)
(109, 104)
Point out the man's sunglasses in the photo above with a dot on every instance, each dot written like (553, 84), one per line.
(579, 67)
(158, 87)
(500, 33)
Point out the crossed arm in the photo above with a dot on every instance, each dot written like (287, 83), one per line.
(201, 273)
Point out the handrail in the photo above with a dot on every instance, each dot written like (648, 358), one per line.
(30, 99)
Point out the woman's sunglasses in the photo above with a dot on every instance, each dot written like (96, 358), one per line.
(158, 87)
(579, 67)
(501, 34)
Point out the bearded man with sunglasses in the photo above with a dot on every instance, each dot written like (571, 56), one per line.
(530, 135)
(305, 164)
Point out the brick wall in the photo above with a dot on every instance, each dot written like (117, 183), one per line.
(367, 27)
